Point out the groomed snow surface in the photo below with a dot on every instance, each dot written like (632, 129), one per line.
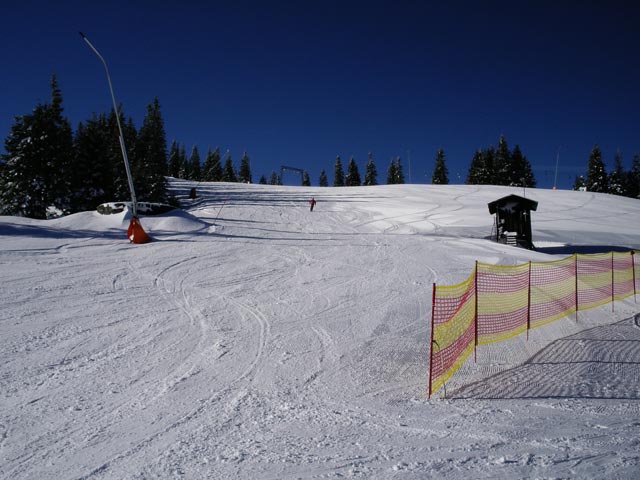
(254, 339)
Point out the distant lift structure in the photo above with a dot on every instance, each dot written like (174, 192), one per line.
(284, 168)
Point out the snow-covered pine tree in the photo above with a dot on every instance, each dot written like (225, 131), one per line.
(212, 169)
(306, 181)
(440, 172)
(273, 178)
(521, 168)
(399, 172)
(338, 173)
(322, 180)
(173, 165)
(120, 189)
(633, 178)
(371, 174)
(353, 175)
(392, 173)
(475, 167)
(151, 156)
(92, 172)
(504, 172)
(244, 174)
(263, 180)
(185, 166)
(617, 176)
(228, 172)
(38, 160)
(596, 180)
(18, 174)
(194, 161)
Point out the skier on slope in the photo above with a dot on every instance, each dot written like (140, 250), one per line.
(312, 202)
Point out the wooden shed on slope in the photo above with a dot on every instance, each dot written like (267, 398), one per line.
(513, 220)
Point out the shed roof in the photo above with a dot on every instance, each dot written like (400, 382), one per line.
(520, 202)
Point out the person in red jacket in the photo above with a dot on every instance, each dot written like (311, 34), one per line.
(312, 202)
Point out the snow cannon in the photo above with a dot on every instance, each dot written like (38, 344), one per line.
(136, 233)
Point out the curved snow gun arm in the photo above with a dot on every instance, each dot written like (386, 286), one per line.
(135, 232)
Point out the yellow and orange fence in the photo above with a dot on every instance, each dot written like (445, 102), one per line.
(497, 302)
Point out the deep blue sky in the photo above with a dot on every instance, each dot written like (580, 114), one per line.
(298, 83)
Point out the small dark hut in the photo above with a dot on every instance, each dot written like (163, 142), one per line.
(513, 220)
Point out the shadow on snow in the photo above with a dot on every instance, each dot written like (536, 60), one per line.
(599, 363)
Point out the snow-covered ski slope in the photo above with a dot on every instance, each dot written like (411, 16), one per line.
(254, 339)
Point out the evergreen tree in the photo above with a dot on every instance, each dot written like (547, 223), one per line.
(263, 180)
(399, 173)
(92, 173)
(481, 170)
(174, 160)
(596, 174)
(392, 173)
(503, 171)
(228, 172)
(338, 173)
(194, 162)
(323, 181)
(212, 170)
(36, 174)
(617, 176)
(151, 156)
(475, 169)
(120, 188)
(579, 183)
(633, 178)
(273, 178)
(521, 168)
(244, 174)
(440, 173)
(59, 159)
(185, 166)
(371, 174)
(306, 182)
(20, 181)
(353, 175)
(488, 172)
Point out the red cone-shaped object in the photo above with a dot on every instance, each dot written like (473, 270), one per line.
(136, 233)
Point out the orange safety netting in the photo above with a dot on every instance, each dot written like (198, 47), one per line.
(452, 330)
(498, 302)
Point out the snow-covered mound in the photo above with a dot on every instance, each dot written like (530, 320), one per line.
(256, 339)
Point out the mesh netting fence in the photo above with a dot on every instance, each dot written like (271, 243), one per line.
(497, 302)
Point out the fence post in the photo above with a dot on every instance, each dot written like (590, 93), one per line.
(529, 302)
(433, 309)
(633, 269)
(575, 256)
(613, 284)
(475, 313)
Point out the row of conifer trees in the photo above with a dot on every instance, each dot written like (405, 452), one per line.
(48, 170)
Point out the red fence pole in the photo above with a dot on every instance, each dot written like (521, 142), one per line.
(613, 284)
(433, 309)
(633, 267)
(475, 314)
(575, 256)
(529, 302)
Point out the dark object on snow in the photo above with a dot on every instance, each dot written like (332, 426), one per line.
(192, 193)
(145, 208)
(312, 202)
(513, 220)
